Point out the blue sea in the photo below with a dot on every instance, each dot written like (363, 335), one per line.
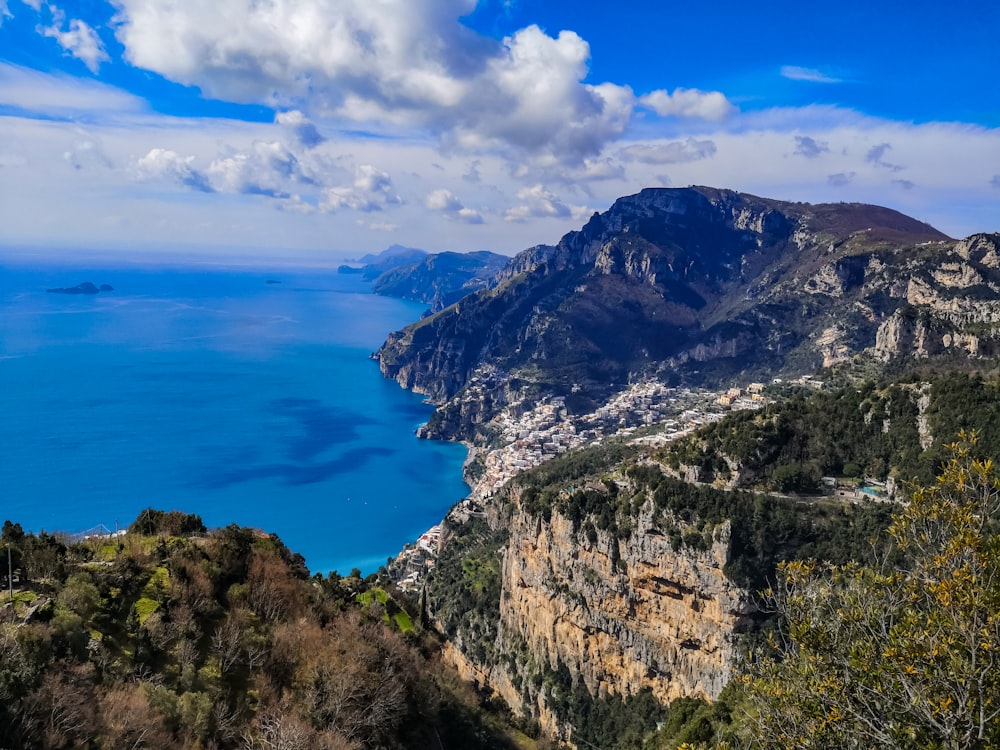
(219, 392)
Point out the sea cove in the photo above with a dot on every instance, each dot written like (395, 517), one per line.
(244, 395)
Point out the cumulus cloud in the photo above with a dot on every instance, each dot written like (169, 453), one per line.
(875, 156)
(446, 203)
(706, 105)
(672, 152)
(305, 132)
(371, 190)
(400, 62)
(164, 164)
(537, 202)
(797, 73)
(79, 39)
(840, 179)
(809, 148)
(266, 169)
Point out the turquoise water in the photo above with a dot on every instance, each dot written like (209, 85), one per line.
(217, 393)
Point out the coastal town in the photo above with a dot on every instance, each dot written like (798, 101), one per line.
(548, 430)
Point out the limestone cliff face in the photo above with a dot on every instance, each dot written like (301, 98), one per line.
(953, 304)
(620, 614)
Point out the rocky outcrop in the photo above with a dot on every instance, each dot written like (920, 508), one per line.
(619, 613)
(624, 614)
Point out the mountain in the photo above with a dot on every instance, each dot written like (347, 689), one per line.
(438, 279)
(700, 285)
(392, 255)
(442, 278)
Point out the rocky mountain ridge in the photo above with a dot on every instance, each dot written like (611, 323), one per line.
(699, 285)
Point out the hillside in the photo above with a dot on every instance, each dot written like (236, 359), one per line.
(699, 285)
(170, 636)
(602, 591)
(440, 279)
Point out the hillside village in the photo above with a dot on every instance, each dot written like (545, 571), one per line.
(548, 430)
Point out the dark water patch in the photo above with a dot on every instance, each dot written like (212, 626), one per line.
(296, 474)
(322, 427)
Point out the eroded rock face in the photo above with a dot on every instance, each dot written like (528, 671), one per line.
(620, 614)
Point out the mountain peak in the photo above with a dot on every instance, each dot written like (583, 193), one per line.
(693, 284)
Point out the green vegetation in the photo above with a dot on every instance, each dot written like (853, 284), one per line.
(220, 640)
(902, 655)
(464, 592)
(869, 430)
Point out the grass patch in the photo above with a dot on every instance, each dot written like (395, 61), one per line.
(403, 622)
(158, 584)
(144, 607)
(367, 598)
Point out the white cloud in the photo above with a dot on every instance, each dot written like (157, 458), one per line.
(265, 169)
(705, 105)
(796, 73)
(446, 203)
(57, 95)
(401, 62)
(537, 202)
(79, 40)
(87, 151)
(672, 152)
(4, 11)
(379, 226)
(164, 164)
(304, 131)
(372, 190)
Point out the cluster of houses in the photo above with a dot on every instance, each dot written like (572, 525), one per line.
(547, 431)
(417, 558)
(751, 397)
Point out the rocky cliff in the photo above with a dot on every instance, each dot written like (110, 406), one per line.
(698, 285)
(614, 616)
(597, 581)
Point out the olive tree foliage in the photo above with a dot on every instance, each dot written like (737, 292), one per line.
(905, 654)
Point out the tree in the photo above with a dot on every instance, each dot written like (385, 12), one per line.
(904, 654)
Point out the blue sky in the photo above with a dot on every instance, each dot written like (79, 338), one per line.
(291, 129)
